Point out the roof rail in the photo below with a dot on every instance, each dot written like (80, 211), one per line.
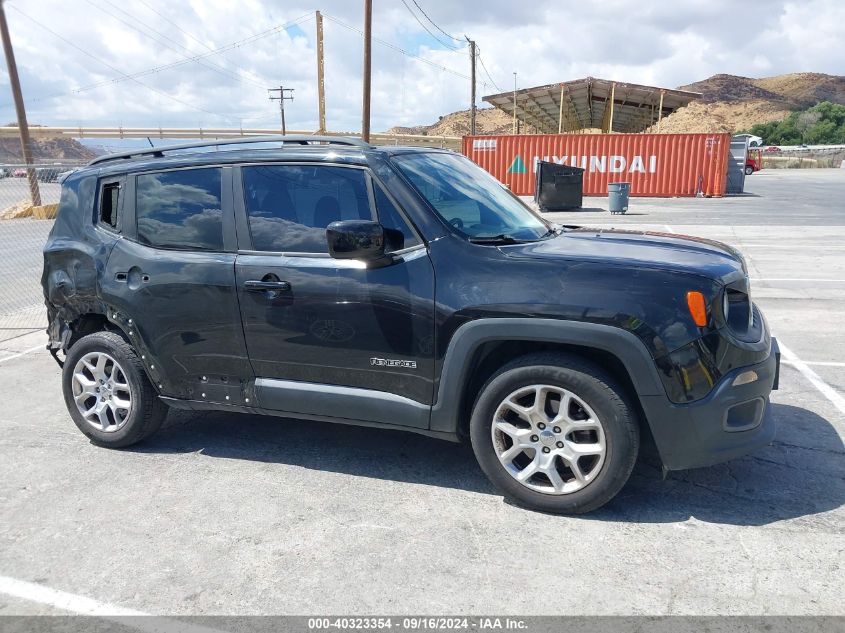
(298, 139)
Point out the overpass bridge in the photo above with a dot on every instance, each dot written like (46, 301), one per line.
(45, 132)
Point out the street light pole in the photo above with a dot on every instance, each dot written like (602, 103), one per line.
(472, 57)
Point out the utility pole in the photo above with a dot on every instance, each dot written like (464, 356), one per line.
(368, 62)
(321, 84)
(281, 99)
(514, 104)
(23, 127)
(472, 81)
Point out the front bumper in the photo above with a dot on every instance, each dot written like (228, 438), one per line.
(733, 420)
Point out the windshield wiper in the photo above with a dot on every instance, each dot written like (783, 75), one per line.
(495, 239)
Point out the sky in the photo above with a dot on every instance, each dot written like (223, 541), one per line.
(139, 63)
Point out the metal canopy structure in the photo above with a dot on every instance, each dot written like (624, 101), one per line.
(591, 104)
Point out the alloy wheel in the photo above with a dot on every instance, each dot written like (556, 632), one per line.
(101, 392)
(549, 439)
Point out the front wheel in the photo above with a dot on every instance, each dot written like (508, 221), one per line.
(555, 433)
(749, 170)
(107, 392)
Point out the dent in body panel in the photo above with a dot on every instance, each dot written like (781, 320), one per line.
(689, 373)
(74, 260)
(185, 314)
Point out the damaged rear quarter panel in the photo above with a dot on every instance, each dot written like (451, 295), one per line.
(75, 257)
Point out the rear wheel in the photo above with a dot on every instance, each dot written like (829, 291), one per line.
(749, 170)
(555, 433)
(107, 391)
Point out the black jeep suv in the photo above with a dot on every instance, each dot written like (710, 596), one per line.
(326, 279)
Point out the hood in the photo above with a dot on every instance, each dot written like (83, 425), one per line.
(640, 249)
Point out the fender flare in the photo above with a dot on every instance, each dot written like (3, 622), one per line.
(624, 345)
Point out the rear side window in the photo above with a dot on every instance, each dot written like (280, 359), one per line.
(290, 206)
(180, 209)
(109, 203)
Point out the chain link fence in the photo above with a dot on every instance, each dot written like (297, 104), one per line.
(23, 232)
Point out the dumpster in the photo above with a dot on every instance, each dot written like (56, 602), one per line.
(617, 195)
(558, 187)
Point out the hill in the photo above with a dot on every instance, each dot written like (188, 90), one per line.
(729, 103)
(487, 121)
(45, 149)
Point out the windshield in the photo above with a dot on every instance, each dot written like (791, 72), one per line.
(469, 198)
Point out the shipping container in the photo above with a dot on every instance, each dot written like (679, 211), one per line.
(655, 164)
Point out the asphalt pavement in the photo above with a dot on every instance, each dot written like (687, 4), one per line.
(237, 514)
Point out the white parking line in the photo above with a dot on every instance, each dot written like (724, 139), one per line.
(819, 363)
(81, 605)
(826, 390)
(834, 281)
(792, 246)
(61, 599)
(23, 353)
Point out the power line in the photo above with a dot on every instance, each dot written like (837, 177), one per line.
(193, 37)
(177, 63)
(400, 50)
(104, 63)
(451, 37)
(427, 30)
(487, 73)
(163, 39)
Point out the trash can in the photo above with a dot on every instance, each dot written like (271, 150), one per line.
(558, 187)
(617, 194)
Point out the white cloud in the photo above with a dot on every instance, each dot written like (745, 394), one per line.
(544, 41)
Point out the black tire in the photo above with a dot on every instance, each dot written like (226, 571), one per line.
(593, 386)
(749, 170)
(147, 412)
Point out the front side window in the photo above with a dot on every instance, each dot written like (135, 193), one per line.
(469, 198)
(180, 209)
(290, 206)
(398, 233)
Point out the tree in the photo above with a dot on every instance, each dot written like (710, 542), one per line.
(806, 120)
(822, 124)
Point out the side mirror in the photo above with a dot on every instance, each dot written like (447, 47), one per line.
(355, 239)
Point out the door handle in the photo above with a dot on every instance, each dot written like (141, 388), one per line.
(254, 285)
(123, 277)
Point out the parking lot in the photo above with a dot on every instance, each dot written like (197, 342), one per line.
(232, 514)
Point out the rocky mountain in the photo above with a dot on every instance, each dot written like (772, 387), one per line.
(729, 103)
(44, 149)
(487, 121)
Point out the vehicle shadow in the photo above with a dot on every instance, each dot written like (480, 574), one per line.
(802, 473)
